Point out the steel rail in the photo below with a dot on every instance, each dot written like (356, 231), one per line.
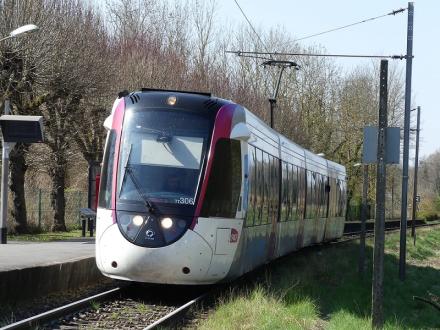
(370, 233)
(175, 313)
(36, 320)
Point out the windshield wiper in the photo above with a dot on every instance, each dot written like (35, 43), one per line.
(129, 170)
(162, 136)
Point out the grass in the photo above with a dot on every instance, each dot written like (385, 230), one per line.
(95, 305)
(47, 237)
(142, 308)
(319, 288)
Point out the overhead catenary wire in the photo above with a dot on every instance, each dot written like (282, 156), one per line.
(256, 54)
(260, 55)
(252, 27)
(394, 12)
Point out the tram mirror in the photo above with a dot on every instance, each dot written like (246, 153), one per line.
(108, 123)
(240, 132)
(26, 129)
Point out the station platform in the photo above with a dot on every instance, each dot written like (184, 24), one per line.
(32, 269)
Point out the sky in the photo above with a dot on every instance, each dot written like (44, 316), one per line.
(385, 36)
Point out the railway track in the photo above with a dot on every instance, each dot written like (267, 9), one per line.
(125, 307)
(135, 306)
(395, 226)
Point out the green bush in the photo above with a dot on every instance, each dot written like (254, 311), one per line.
(428, 215)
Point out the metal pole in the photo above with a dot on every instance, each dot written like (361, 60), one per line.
(404, 207)
(416, 168)
(89, 190)
(272, 103)
(39, 208)
(275, 95)
(379, 225)
(4, 185)
(4, 192)
(273, 100)
(392, 196)
(363, 221)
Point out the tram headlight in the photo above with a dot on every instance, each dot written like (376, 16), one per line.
(166, 223)
(172, 100)
(138, 220)
(130, 224)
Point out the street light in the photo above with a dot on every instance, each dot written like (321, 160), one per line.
(22, 29)
(7, 146)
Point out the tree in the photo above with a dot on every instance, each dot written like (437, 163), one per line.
(78, 70)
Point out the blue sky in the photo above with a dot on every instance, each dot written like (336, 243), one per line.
(384, 36)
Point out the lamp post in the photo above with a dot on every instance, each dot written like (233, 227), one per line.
(21, 30)
(7, 146)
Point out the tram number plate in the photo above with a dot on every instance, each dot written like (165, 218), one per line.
(185, 201)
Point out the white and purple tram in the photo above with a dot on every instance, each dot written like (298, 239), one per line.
(198, 190)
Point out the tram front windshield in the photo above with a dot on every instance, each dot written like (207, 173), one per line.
(161, 155)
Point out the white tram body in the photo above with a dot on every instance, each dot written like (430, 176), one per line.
(198, 190)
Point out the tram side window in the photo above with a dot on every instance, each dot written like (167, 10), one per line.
(259, 187)
(224, 183)
(327, 196)
(294, 192)
(333, 197)
(338, 197)
(105, 188)
(266, 189)
(252, 179)
(275, 169)
(285, 192)
(322, 197)
(317, 193)
(311, 195)
(341, 198)
(301, 207)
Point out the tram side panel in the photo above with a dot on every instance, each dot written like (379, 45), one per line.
(292, 206)
(259, 238)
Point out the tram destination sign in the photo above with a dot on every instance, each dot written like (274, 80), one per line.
(392, 148)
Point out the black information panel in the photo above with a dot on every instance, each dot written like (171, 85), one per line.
(26, 129)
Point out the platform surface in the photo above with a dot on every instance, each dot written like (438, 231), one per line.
(21, 254)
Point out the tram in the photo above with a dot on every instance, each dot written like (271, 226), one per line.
(198, 190)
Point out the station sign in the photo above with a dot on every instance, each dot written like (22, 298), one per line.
(392, 148)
